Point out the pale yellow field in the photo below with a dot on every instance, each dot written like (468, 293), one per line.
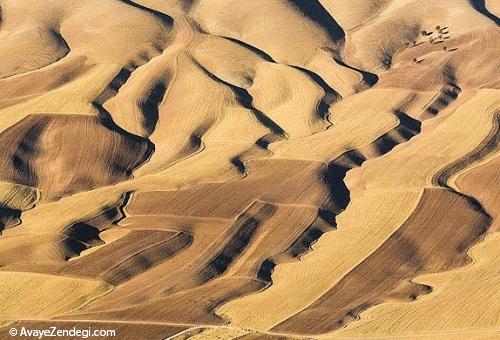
(251, 169)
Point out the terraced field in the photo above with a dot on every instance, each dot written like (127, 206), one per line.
(265, 169)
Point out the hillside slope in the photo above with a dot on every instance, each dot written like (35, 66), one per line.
(201, 169)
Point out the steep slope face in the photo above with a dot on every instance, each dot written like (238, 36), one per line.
(250, 169)
(37, 34)
(88, 155)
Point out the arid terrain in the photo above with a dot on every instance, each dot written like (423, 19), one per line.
(251, 169)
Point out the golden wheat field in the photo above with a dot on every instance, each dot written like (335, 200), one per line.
(251, 169)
